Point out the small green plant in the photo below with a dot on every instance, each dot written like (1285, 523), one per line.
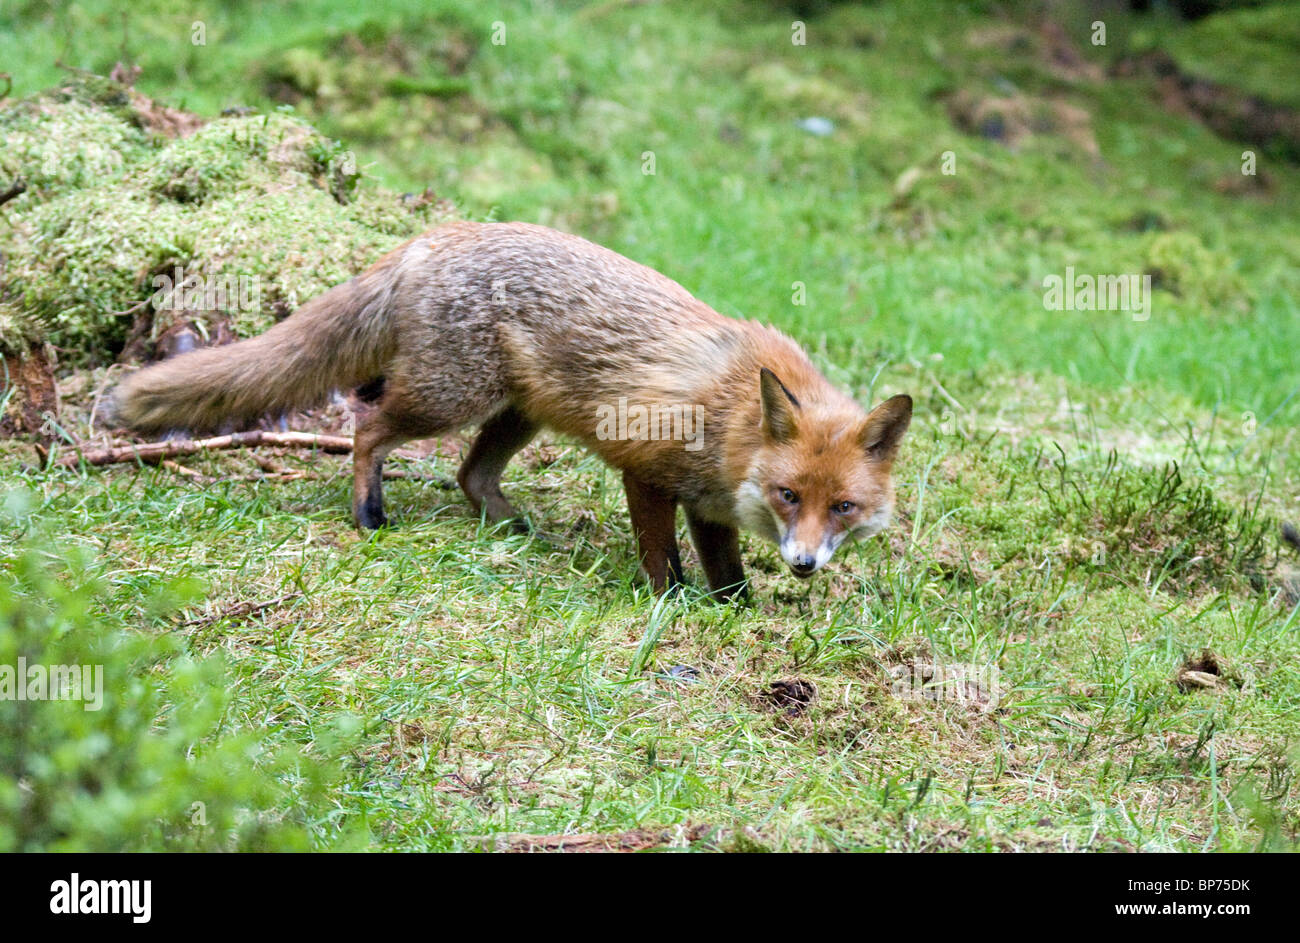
(1152, 523)
(132, 755)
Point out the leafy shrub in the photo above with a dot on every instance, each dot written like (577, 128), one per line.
(152, 769)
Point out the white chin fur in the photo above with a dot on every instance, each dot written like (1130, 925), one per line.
(792, 551)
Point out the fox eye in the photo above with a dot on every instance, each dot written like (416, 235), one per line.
(789, 497)
(844, 507)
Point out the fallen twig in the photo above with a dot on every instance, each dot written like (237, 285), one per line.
(187, 472)
(151, 452)
(18, 188)
(131, 310)
(239, 610)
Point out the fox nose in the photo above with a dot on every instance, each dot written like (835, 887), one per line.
(803, 566)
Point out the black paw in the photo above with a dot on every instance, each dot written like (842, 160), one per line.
(370, 518)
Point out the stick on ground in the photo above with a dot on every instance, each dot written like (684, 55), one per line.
(151, 452)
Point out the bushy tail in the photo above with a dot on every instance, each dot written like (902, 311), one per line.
(339, 339)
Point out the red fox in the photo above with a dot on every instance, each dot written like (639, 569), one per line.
(512, 327)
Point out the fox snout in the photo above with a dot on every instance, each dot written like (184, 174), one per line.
(804, 567)
(803, 562)
(806, 549)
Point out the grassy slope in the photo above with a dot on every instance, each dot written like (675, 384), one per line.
(507, 684)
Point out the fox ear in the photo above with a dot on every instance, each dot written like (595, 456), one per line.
(780, 408)
(885, 426)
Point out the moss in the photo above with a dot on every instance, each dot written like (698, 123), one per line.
(214, 160)
(301, 71)
(406, 91)
(15, 322)
(1180, 263)
(264, 204)
(1155, 525)
(798, 95)
(61, 146)
(1248, 48)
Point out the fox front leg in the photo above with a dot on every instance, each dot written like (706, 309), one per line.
(654, 521)
(719, 548)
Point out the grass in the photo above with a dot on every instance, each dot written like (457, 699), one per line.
(1087, 502)
(521, 685)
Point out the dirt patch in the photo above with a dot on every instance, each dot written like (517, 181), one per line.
(791, 696)
(1228, 112)
(27, 392)
(1204, 671)
(1016, 118)
(1238, 184)
(160, 119)
(1049, 45)
(237, 612)
(1062, 57)
(915, 674)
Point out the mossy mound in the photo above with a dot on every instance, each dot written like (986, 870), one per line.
(1248, 48)
(122, 193)
(1181, 263)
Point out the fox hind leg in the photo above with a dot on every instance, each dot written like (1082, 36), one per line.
(376, 436)
(428, 392)
(499, 438)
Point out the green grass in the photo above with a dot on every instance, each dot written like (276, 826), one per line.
(521, 685)
(507, 684)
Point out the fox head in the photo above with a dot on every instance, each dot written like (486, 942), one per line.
(821, 473)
